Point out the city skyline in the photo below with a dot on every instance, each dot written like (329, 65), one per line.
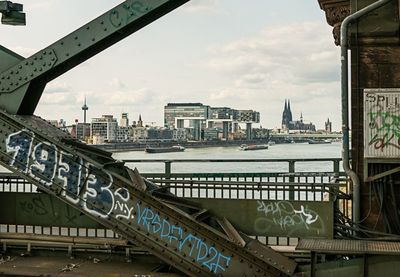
(128, 118)
(225, 53)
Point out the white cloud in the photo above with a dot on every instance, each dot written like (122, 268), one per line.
(296, 61)
(297, 53)
(57, 87)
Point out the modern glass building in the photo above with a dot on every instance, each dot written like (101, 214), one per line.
(199, 117)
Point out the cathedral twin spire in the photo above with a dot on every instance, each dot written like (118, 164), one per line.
(287, 114)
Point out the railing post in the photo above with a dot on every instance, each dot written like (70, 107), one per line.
(167, 169)
(336, 167)
(291, 179)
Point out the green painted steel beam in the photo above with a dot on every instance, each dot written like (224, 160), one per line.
(22, 85)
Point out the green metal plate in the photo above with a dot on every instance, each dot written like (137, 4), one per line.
(39, 209)
(305, 219)
(281, 218)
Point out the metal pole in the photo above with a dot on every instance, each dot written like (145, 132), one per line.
(345, 98)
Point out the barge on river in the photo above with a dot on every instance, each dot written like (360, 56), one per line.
(246, 147)
(175, 148)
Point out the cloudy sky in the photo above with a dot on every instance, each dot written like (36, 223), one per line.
(236, 53)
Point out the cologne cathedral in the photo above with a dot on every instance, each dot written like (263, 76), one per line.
(288, 124)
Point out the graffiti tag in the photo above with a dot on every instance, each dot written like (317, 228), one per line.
(285, 216)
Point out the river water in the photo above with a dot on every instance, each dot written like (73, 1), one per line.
(277, 151)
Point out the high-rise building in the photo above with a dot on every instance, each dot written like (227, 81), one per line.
(104, 129)
(124, 122)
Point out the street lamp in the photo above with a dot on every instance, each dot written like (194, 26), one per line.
(12, 13)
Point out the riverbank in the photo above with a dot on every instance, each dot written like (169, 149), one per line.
(140, 146)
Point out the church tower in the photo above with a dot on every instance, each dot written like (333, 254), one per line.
(140, 122)
(286, 116)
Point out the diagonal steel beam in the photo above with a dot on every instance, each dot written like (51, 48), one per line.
(22, 85)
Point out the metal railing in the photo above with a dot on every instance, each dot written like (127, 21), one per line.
(289, 183)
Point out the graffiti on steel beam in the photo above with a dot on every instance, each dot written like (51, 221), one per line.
(283, 215)
(83, 184)
(186, 242)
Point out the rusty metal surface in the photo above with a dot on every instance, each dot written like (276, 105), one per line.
(350, 246)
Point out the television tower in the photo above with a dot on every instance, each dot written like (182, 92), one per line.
(84, 109)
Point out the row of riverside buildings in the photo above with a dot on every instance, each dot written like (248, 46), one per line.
(182, 122)
(185, 122)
